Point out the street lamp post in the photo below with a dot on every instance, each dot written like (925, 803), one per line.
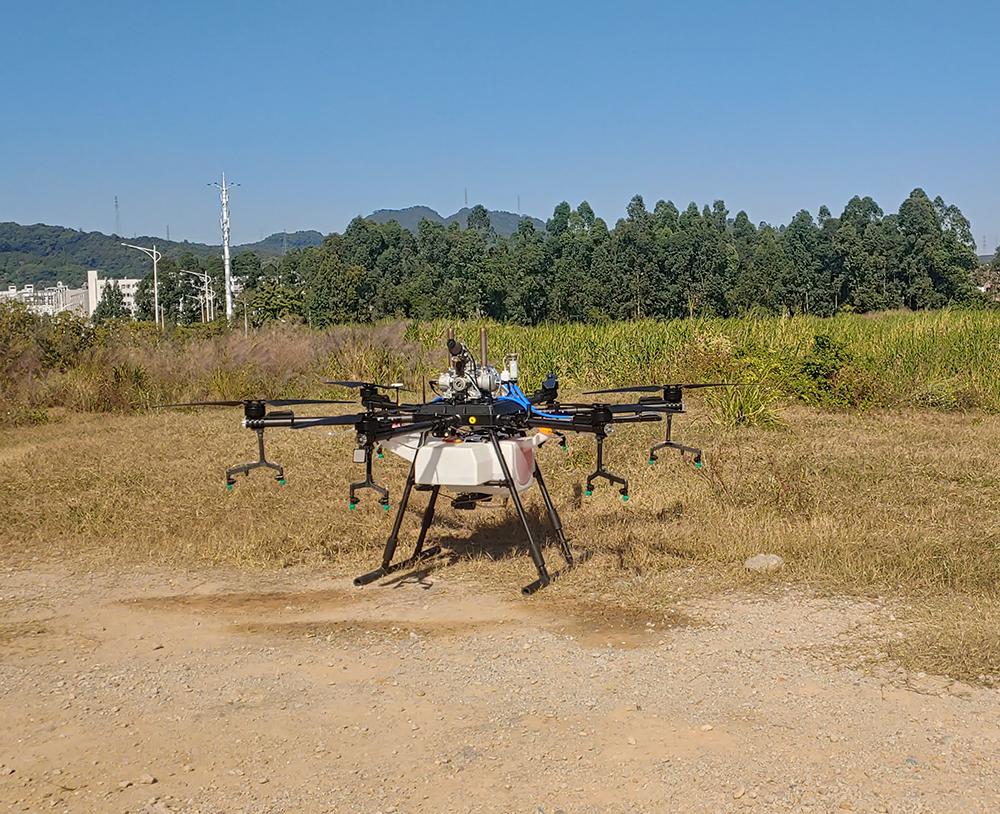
(155, 255)
(209, 299)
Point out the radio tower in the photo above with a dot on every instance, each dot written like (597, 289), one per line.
(118, 219)
(224, 197)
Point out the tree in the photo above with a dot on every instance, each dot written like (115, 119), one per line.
(807, 289)
(938, 259)
(272, 301)
(112, 304)
(762, 284)
(479, 219)
(559, 221)
(332, 293)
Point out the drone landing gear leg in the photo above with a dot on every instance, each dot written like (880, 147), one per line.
(536, 552)
(601, 472)
(554, 518)
(368, 483)
(419, 553)
(668, 443)
(261, 462)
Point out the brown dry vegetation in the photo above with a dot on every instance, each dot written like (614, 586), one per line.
(901, 505)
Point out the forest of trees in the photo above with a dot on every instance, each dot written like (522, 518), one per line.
(659, 263)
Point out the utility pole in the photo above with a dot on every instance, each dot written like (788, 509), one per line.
(228, 283)
(155, 255)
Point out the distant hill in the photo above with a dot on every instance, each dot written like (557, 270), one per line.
(986, 259)
(408, 218)
(275, 245)
(44, 254)
(503, 223)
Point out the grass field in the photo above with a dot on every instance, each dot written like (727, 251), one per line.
(866, 455)
(900, 504)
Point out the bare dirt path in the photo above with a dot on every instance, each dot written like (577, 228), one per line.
(232, 691)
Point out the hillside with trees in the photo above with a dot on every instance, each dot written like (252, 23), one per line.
(43, 255)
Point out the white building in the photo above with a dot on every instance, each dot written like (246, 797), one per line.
(95, 290)
(49, 301)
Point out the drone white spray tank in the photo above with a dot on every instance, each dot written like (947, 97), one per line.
(468, 462)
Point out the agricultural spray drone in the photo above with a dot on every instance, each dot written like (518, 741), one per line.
(476, 439)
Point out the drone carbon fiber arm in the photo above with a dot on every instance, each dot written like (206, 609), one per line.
(594, 420)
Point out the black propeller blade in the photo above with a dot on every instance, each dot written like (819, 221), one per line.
(656, 388)
(397, 386)
(243, 402)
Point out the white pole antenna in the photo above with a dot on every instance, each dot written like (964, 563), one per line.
(228, 281)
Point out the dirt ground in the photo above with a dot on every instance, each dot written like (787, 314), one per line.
(291, 691)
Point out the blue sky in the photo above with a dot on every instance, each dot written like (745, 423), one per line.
(326, 110)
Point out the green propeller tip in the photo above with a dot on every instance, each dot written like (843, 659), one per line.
(281, 481)
(350, 506)
(697, 464)
(651, 461)
(589, 492)
(229, 486)
(624, 498)
(386, 507)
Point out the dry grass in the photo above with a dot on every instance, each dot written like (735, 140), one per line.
(902, 505)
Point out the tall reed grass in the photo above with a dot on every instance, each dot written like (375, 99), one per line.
(945, 360)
